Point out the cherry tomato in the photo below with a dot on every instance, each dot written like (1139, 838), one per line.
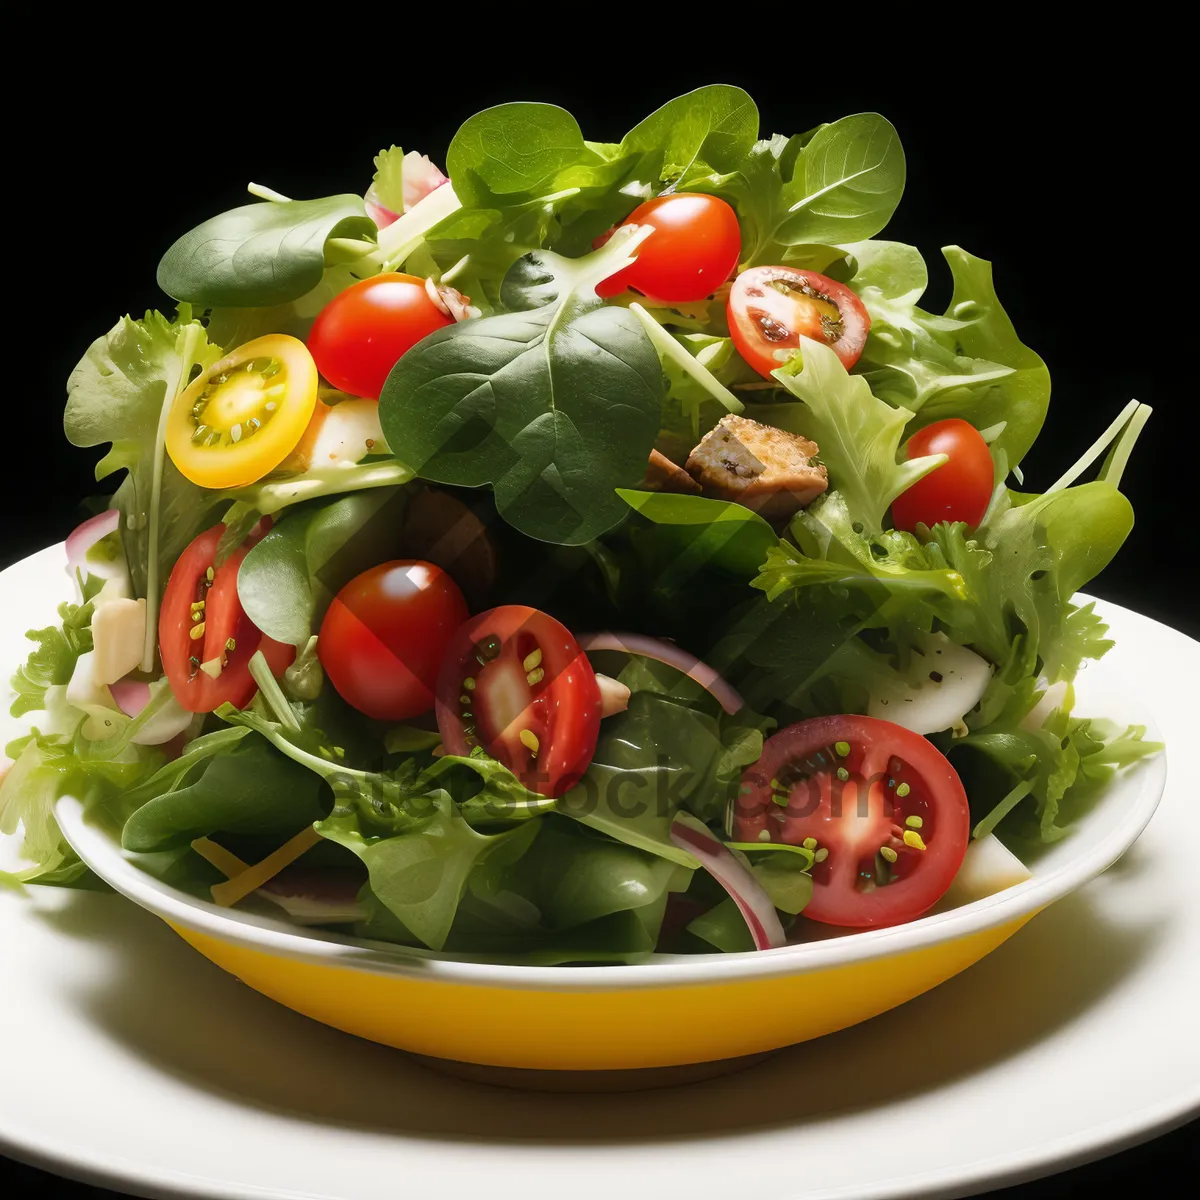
(385, 635)
(516, 683)
(359, 336)
(959, 490)
(207, 670)
(881, 807)
(242, 417)
(694, 248)
(771, 307)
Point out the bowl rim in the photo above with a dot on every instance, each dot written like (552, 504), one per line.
(276, 937)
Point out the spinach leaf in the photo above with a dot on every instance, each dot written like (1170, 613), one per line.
(260, 254)
(288, 579)
(248, 789)
(712, 127)
(513, 150)
(554, 404)
(847, 181)
(695, 533)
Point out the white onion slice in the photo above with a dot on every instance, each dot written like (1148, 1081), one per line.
(667, 652)
(132, 695)
(84, 537)
(744, 890)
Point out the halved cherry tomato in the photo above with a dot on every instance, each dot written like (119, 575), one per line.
(240, 419)
(881, 807)
(771, 307)
(359, 336)
(516, 683)
(228, 638)
(384, 637)
(694, 248)
(960, 489)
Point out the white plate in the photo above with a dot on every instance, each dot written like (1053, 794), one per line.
(128, 1060)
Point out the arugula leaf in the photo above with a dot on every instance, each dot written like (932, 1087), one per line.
(288, 579)
(859, 435)
(53, 661)
(555, 404)
(968, 363)
(261, 254)
(120, 392)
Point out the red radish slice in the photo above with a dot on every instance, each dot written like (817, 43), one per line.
(420, 177)
(84, 537)
(131, 695)
(744, 890)
(667, 652)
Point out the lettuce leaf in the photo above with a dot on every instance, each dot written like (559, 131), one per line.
(52, 662)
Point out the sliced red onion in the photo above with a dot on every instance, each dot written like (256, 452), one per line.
(667, 652)
(316, 896)
(172, 719)
(383, 217)
(84, 537)
(744, 890)
(419, 178)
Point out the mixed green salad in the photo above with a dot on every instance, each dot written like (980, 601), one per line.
(593, 550)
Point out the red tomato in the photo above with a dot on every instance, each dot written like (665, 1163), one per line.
(694, 248)
(360, 334)
(882, 807)
(959, 490)
(385, 634)
(516, 683)
(229, 635)
(771, 307)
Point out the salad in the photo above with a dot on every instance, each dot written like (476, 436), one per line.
(594, 550)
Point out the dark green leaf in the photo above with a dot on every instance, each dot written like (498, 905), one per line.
(260, 254)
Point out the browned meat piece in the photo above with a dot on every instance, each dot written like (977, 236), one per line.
(662, 475)
(764, 468)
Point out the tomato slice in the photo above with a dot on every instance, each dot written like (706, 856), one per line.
(515, 682)
(770, 308)
(960, 489)
(242, 417)
(385, 634)
(192, 601)
(882, 808)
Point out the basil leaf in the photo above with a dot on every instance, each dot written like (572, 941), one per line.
(260, 254)
(555, 405)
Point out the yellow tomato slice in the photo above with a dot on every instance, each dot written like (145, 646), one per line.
(244, 415)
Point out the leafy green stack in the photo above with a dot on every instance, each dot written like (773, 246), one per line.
(553, 399)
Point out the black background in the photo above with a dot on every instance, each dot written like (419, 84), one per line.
(1062, 175)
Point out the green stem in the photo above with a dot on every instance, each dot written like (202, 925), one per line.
(272, 693)
(1094, 451)
(1118, 457)
(265, 193)
(185, 352)
(1002, 809)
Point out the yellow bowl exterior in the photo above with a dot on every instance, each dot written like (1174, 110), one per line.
(595, 1030)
